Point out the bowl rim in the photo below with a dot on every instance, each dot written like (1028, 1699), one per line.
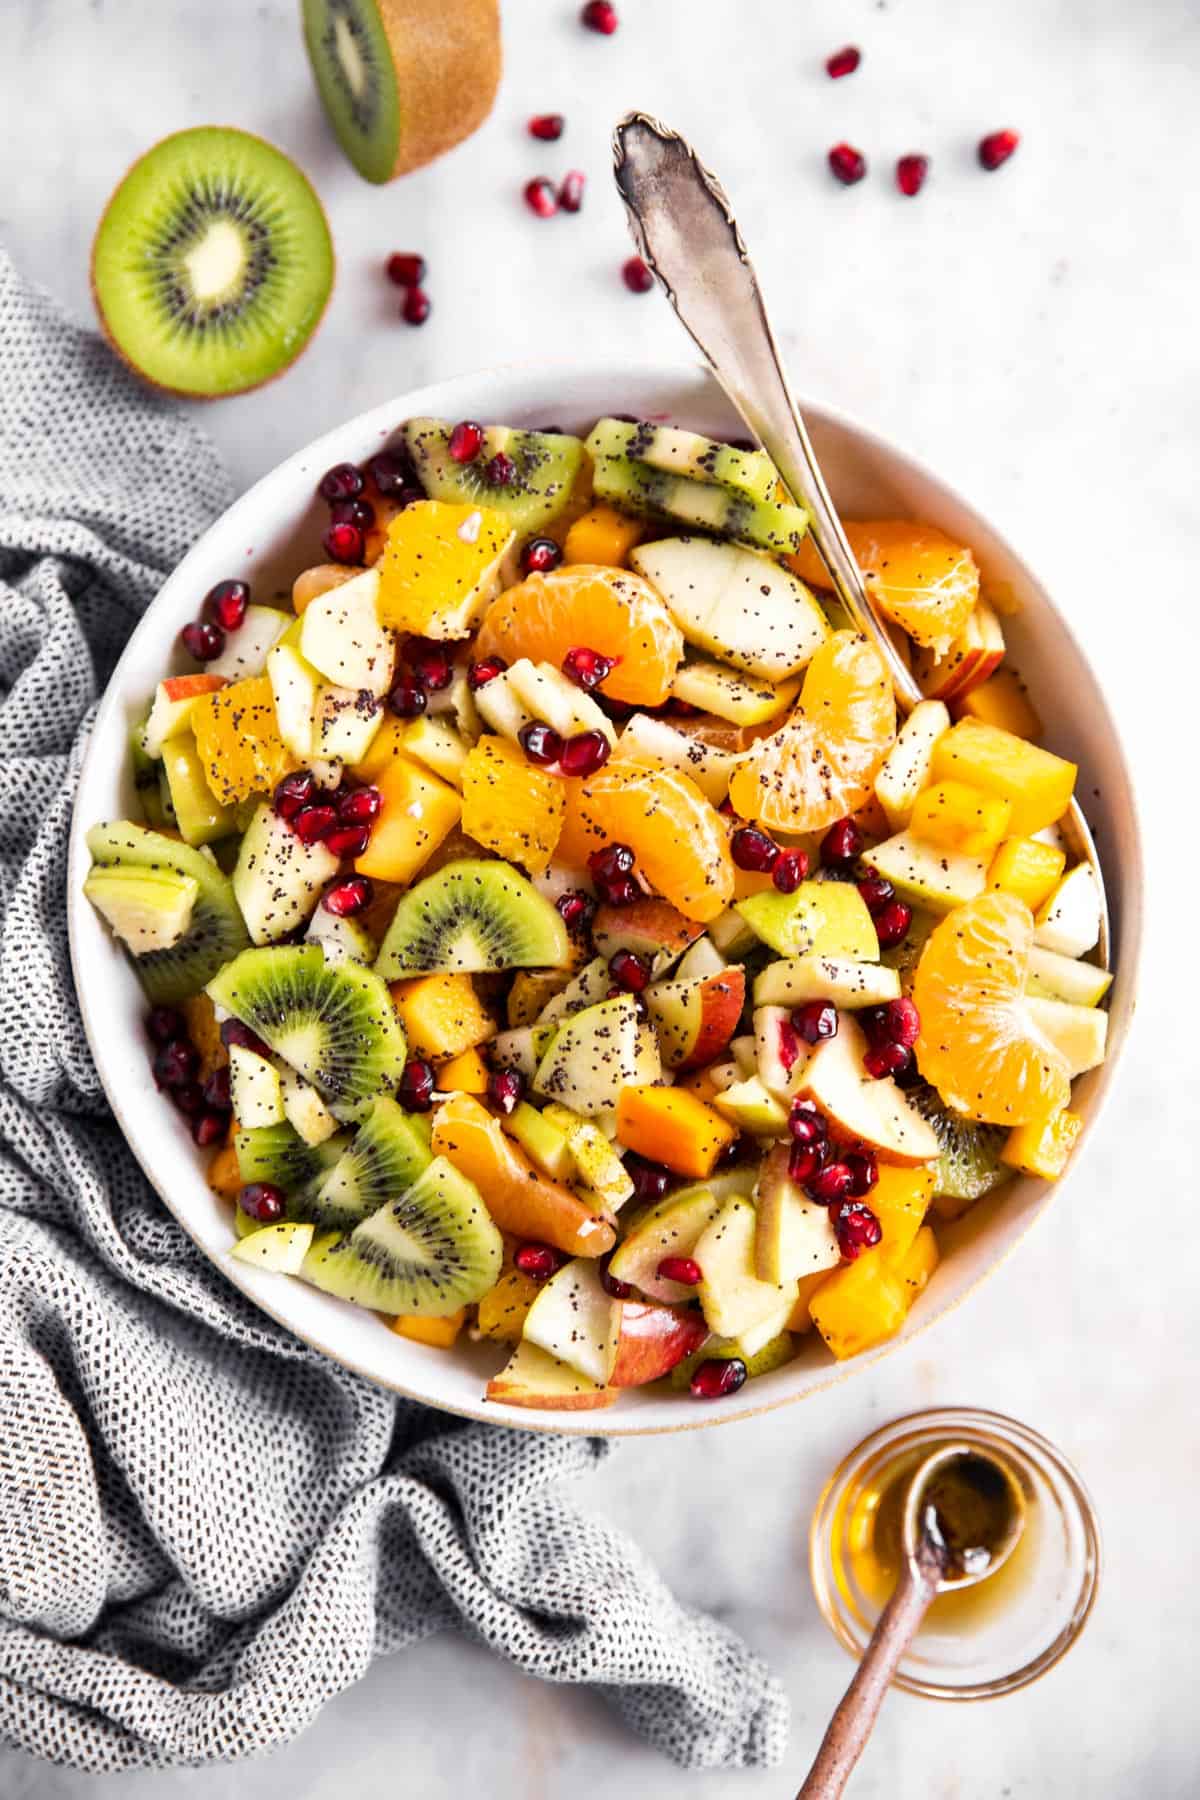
(280, 481)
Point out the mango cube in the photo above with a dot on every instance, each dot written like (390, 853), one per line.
(1038, 783)
(1027, 869)
(441, 1333)
(1002, 701)
(859, 1305)
(913, 1269)
(964, 820)
(672, 1126)
(900, 1199)
(441, 1014)
(602, 535)
(1043, 1148)
(466, 1073)
(501, 1313)
(418, 812)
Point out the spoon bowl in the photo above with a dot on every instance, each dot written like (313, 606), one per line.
(968, 1504)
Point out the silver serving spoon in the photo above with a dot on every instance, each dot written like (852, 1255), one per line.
(684, 228)
(934, 1563)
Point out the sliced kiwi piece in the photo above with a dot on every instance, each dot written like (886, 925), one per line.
(469, 917)
(334, 1023)
(212, 263)
(635, 487)
(675, 452)
(216, 931)
(546, 466)
(278, 1154)
(399, 86)
(969, 1164)
(431, 1250)
(387, 1155)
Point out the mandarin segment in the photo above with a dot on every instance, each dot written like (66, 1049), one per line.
(677, 835)
(584, 605)
(440, 567)
(238, 741)
(510, 805)
(925, 582)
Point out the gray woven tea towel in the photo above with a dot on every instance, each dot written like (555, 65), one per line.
(206, 1528)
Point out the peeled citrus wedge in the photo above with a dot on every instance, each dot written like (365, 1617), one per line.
(820, 765)
(586, 606)
(978, 1044)
(677, 835)
(924, 581)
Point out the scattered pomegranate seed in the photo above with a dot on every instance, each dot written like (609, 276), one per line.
(876, 892)
(312, 824)
(391, 472)
(430, 663)
(683, 1269)
(344, 542)
(612, 870)
(788, 870)
(805, 1161)
(650, 1179)
(882, 1060)
(717, 1377)
(910, 174)
(575, 908)
(856, 1228)
(616, 1290)
(226, 604)
(599, 15)
(539, 556)
(359, 806)
(753, 849)
(864, 1171)
(547, 126)
(234, 1032)
(841, 845)
(208, 1128)
(345, 898)
(538, 1261)
(406, 270)
(570, 194)
(163, 1023)
(540, 197)
(996, 148)
(843, 62)
(622, 892)
(892, 922)
(262, 1200)
(416, 1085)
(895, 1022)
(466, 441)
(587, 668)
(501, 471)
(487, 669)
(847, 163)
(343, 482)
(831, 1183)
(806, 1127)
(216, 1090)
(789, 1046)
(506, 1089)
(407, 697)
(295, 791)
(352, 512)
(416, 306)
(202, 640)
(636, 276)
(348, 840)
(584, 753)
(816, 1021)
(188, 1098)
(628, 971)
(176, 1064)
(541, 743)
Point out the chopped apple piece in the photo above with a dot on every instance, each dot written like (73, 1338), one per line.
(672, 1228)
(343, 640)
(346, 722)
(535, 1379)
(876, 1112)
(731, 1295)
(594, 1162)
(574, 1319)
(794, 980)
(700, 959)
(751, 1108)
(975, 654)
(652, 1340)
(1069, 921)
(780, 1051)
(829, 917)
(280, 1248)
(171, 709)
(795, 1238)
(148, 909)
(552, 697)
(303, 1108)
(542, 1141)
(654, 741)
(1078, 1033)
(730, 693)
(294, 688)
(246, 649)
(695, 1020)
(743, 607)
(598, 1056)
(1055, 977)
(905, 768)
(652, 928)
(923, 876)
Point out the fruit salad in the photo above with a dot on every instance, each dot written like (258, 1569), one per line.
(557, 939)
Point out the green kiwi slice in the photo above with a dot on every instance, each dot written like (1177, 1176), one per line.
(216, 931)
(469, 917)
(387, 1155)
(969, 1164)
(431, 1250)
(212, 263)
(279, 1155)
(334, 1023)
(545, 466)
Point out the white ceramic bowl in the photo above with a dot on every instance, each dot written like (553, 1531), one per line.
(271, 534)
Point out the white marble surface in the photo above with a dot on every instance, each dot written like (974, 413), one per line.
(1034, 334)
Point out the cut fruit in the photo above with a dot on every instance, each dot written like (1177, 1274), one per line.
(1068, 921)
(794, 1237)
(962, 820)
(147, 909)
(732, 695)
(1002, 701)
(906, 766)
(437, 745)
(748, 1105)
(498, 706)
(430, 1251)
(278, 878)
(441, 1014)
(305, 1110)
(592, 984)
(1043, 1148)
(509, 804)
(698, 960)
(936, 880)
(594, 1162)
(388, 1154)
(543, 1141)
(547, 694)
(540, 474)
(1038, 783)
(1078, 1033)
(396, 91)
(677, 836)
(575, 1320)
(672, 1126)
(764, 1347)
(821, 764)
(653, 1341)
(829, 918)
(900, 1200)
(418, 813)
(171, 709)
(279, 1155)
(198, 817)
(1026, 868)
(519, 1197)
(780, 1053)
(216, 931)
(1055, 977)
(652, 494)
(741, 607)
(341, 939)
(466, 1073)
(922, 580)
(255, 1090)
(694, 1020)
(212, 263)
(968, 1162)
(335, 1024)
(676, 452)
(672, 1228)
(659, 745)
(439, 1334)
(294, 688)
(793, 981)
(472, 916)
(280, 1248)
(238, 741)
(732, 1296)
(502, 1312)
(246, 649)
(651, 929)
(583, 606)
(976, 653)
(596, 1055)
(860, 1305)
(441, 567)
(342, 638)
(346, 723)
(979, 1045)
(535, 1379)
(602, 535)
(876, 1113)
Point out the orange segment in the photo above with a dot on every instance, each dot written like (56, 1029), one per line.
(676, 834)
(439, 569)
(924, 581)
(978, 1044)
(822, 762)
(510, 805)
(238, 741)
(585, 605)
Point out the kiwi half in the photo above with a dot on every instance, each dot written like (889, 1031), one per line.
(387, 1155)
(212, 263)
(403, 80)
(278, 1154)
(546, 465)
(216, 931)
(469, 917)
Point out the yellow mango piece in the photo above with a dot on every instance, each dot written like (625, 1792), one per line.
(418, 812)
(900, 1199)
(441, 567)
(673, 1126)
(1044, 1148)
(858, 1305)
(438, 746)
(1038, 783)
(441, 1333)
(1002, 701)
(238, 741)
(961, 819)
(1027, 869)
(501, 1313)
(913, 1269)
(466, 1073)
(224, 1176)
(385, 748)
(441, 1014)
(510, 805)
(205, 1034)
(602, 535)
(801, 1319)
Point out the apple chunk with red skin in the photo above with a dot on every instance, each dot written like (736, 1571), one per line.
(171, 708)
(696, 1019)
(651, 1340)
(611, 1343)
(875, 1113)
(533, 1378)
(650, 927)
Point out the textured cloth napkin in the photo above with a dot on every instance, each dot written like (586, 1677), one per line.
(206, 1528)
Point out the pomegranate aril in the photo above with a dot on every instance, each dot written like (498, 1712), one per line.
(539, 556)
(415, 1090)
(636, 276)
(538, 1261)
(164, 1023)
(847, 164)
(843, 62)
(348, 840)
(314, 823)
(616, 1290)
(506, 1089)
(540, 197)
(575, 908)
(996, 148)
(650, 1179)
(830, 1184)
(541, 743)
(234, 1032)
(584, 753)
(430, 663)
(209, 1128)
(895, 1022)
(788, 870)
(621, 892)
(587, 668)
(601, 16)
(416, 306)
(864, 1171)
(295, 791)
(343, 482)
(203, 640)
(407, 697)
(391, 472)
(345, 898)
(353, 512)
(263, 1201)
(628, 971)
(816, 1021)
(405, 269)
(570, 193)
(910, 174)
(547, 126)
(344, 542)
(501, 470)
(483, 671)
(753, 849)
(188, 1098)
(610, 863)
(841, 845)
(216, 1089)
(359, 806)
(882, 1060)
(892, 922)
(683, 1269)
(717, 1377)
(466, 441)
(805, 1161)
(176, 1064)
(856, 1228)
(226, 604)
(789, 1046)
(876, 892)
(805, 1130)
